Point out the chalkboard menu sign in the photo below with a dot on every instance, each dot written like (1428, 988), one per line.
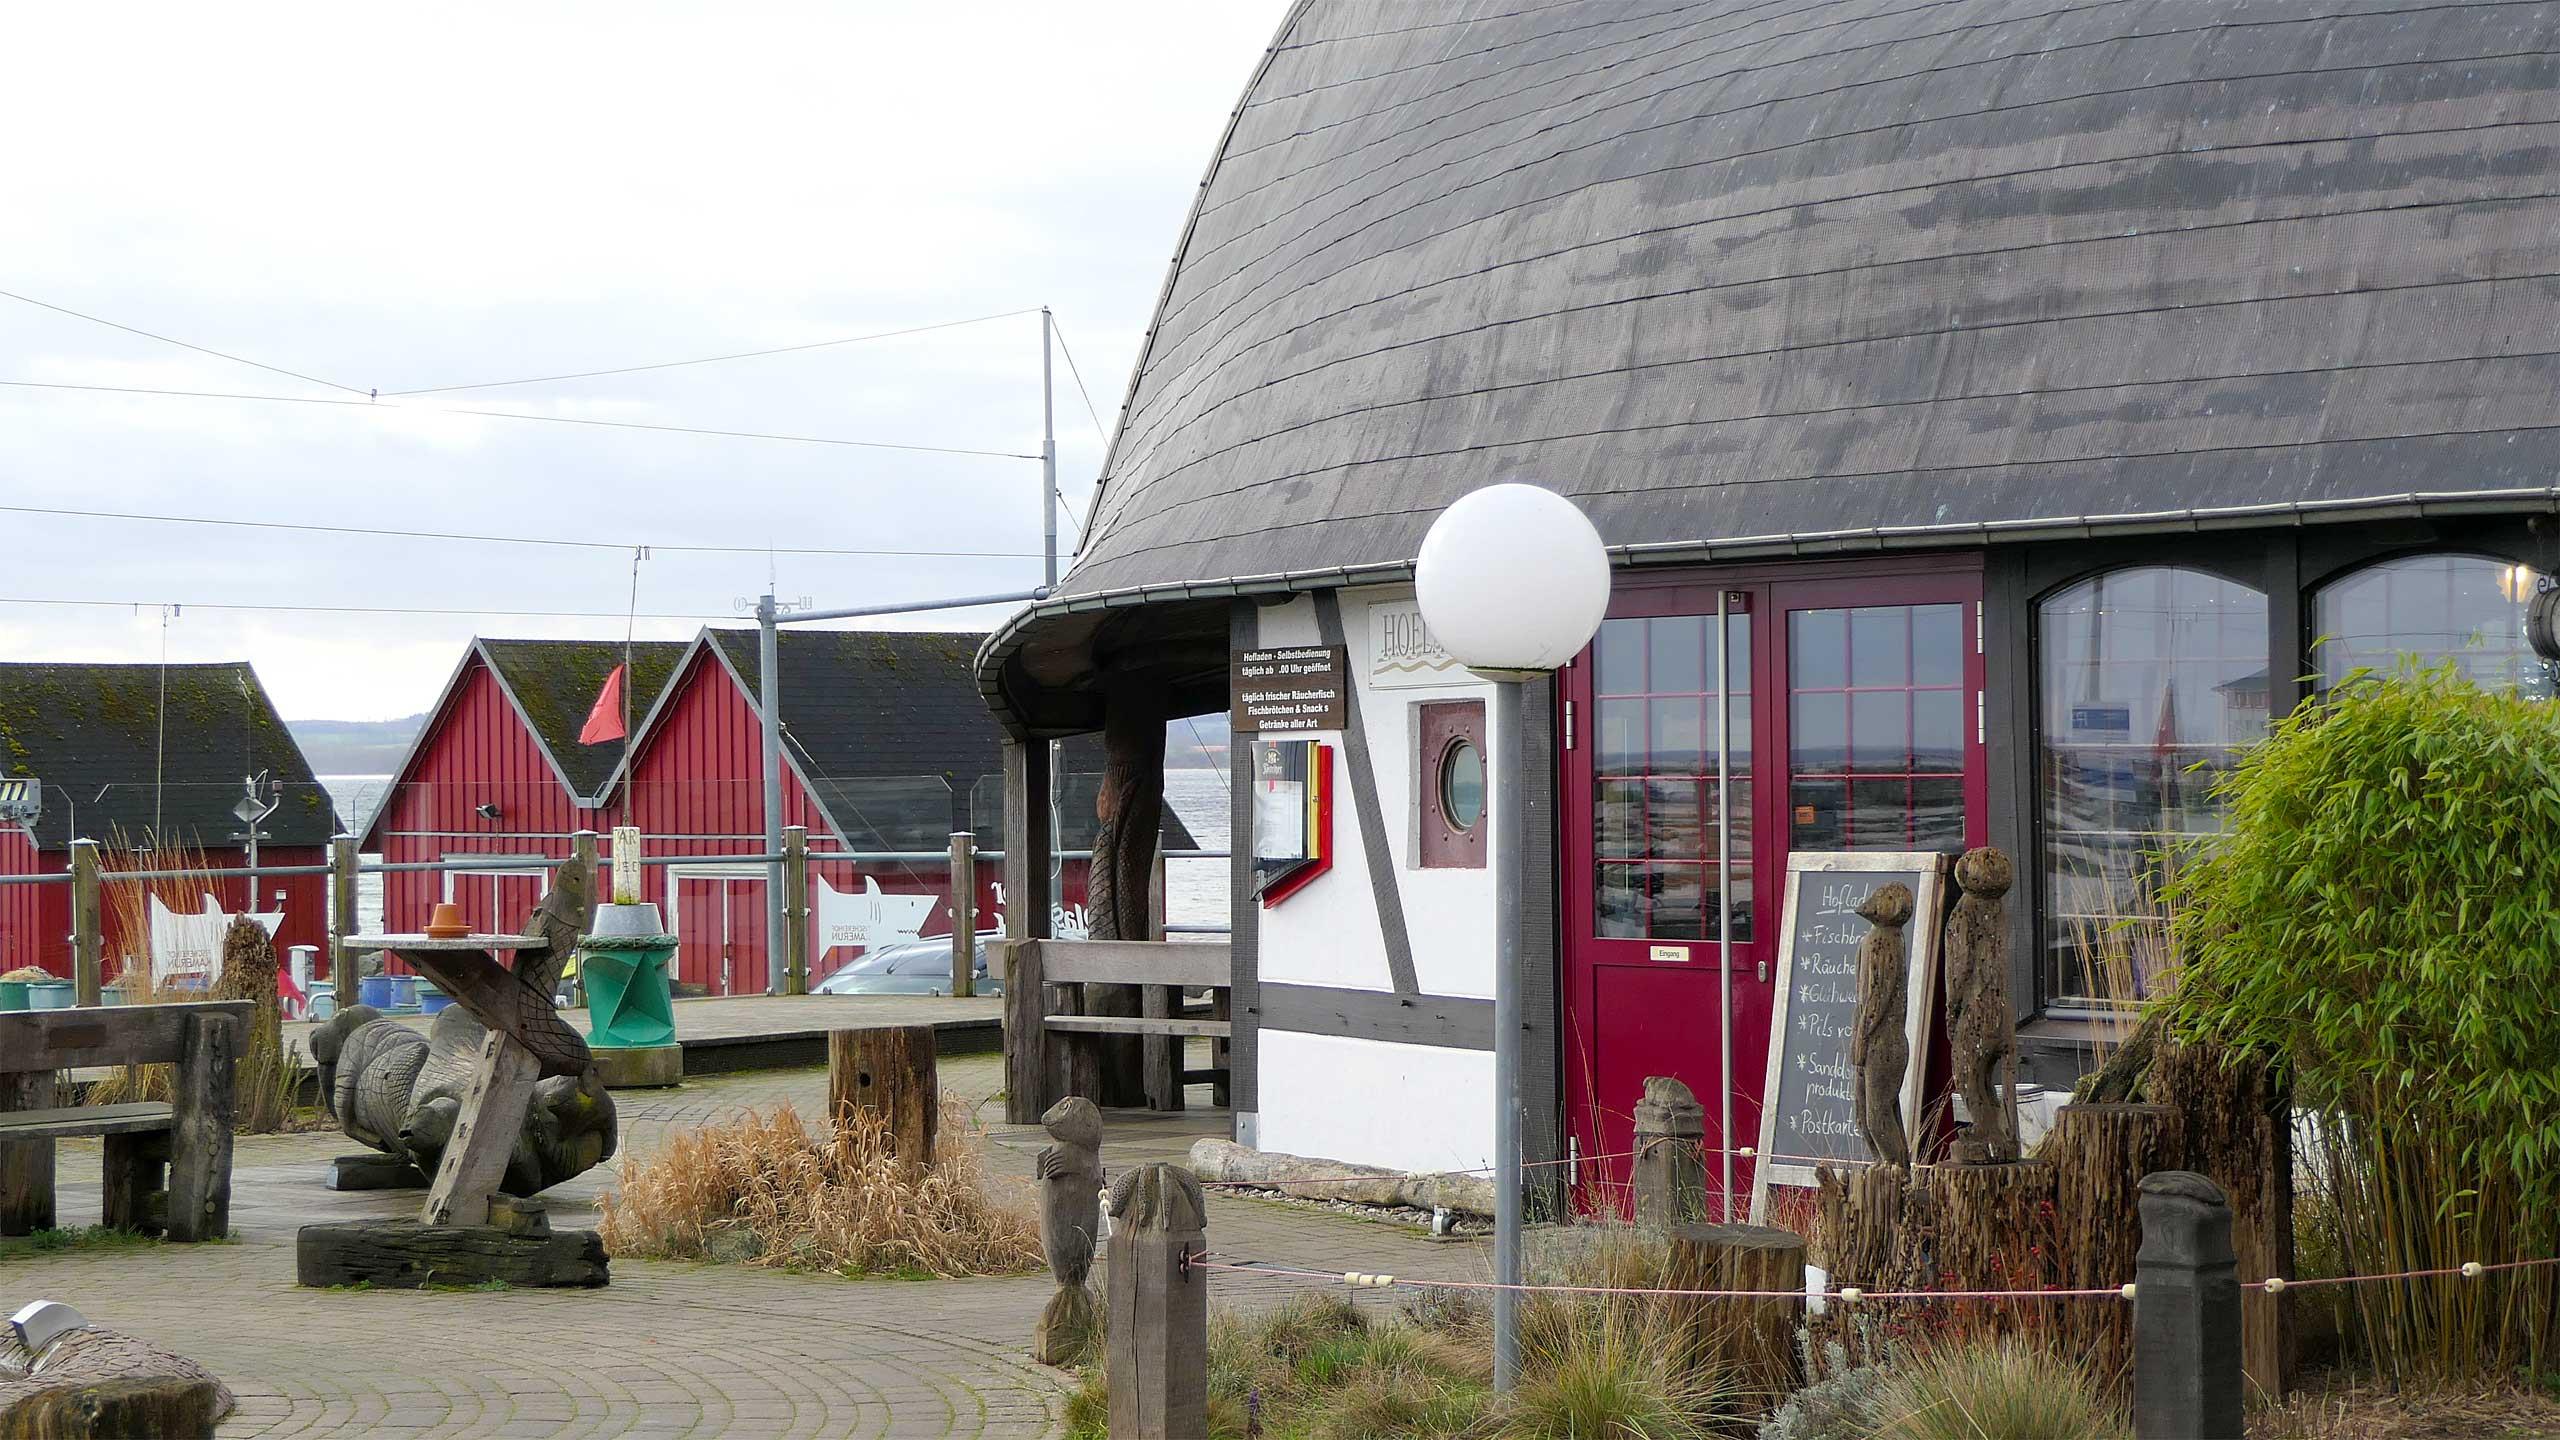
(1808, 1112)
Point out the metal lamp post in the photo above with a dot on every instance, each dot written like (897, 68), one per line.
(1513, 581)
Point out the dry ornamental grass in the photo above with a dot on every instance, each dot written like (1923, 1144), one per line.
(765, 1189)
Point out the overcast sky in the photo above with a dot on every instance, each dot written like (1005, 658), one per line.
(396, 199)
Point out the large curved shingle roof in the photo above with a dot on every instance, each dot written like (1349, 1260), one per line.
(1773, 274)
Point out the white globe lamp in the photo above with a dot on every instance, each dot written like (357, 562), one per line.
(1512, 580)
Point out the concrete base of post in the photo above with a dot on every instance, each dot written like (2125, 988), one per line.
(640, 1067)
(2186, 1313)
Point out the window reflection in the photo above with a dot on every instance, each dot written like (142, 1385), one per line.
(2466, 608)
(1654, 786)
(1876, 710)
(2151, 681)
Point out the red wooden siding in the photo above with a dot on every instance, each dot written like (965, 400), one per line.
(35, 920)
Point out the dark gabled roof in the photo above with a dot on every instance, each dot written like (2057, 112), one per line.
(555, 684)
(94, 735)
(1791, 277)
(874, 718)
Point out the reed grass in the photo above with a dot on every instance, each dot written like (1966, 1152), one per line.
(803, 1200)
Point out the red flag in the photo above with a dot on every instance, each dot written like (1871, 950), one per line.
(604, 722)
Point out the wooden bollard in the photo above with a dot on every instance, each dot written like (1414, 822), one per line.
(1670, 1168)
(1751, 1340)
(1159, 1326)
(890, 1073)
(2186, 1313)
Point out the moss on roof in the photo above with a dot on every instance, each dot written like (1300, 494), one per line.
(557, 681)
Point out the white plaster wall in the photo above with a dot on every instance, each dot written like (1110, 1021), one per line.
(1407, 1107)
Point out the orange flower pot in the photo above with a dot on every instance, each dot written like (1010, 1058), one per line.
(447, 922)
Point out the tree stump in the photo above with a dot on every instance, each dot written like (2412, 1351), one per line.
(110, 1409)
(2098, 1155)
(1753, 1341)
(2235, 1125)
(889, 1074)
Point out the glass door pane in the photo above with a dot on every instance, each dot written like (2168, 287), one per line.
(1654, 791)
(1876, 711)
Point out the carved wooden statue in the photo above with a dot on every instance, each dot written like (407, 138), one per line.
(401, 1092)
(1880, 1050)
(1982, 1028)
(1070, 1171)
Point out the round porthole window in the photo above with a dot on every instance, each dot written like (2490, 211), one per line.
(1462, 785)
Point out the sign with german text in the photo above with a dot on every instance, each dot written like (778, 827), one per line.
(1809, 1113)
(1289, 690)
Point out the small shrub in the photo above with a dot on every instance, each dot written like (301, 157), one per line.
(1838, 1401)
(2003, 1390)
(844, 1202)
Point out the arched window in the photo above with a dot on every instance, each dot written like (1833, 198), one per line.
(2146, 674)
(2469, 608)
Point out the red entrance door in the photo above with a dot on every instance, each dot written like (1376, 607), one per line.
(1850, 722)
(720, 934)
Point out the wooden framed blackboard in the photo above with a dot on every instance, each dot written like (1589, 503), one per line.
(1808, 1110)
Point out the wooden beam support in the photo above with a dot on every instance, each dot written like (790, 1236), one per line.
(1028, 1088)
(200, 1145)
(493, 1111)
(88, 935)
(26, 1167)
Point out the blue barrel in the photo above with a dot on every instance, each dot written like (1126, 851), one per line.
(377, 991)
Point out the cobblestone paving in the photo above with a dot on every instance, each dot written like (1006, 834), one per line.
(667, 1349)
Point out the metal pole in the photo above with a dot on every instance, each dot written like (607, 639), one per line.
(1048, 461)
(769, 667)
(1724, 884)
(1507, 807)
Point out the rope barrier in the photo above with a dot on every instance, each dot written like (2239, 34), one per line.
(1410, 1174)
(1847, 1294)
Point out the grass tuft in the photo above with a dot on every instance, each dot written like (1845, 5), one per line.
(765, 1189)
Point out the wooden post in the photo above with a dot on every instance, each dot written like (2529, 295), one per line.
(2186, 1313)
(484, 1134)
(795, 909)
(200, 1140)
(889, 1073)
(342, 914)
(583, 859)
(1160, 1056)
(1159, 1306)
(1670, 1166)
(1026, 1033)
(964, 914)
(26, 1166)
(1026, 918)
(88, 937)
(1751, 1340)
(136, 1168)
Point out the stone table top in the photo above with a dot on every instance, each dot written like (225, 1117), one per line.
(443, 942)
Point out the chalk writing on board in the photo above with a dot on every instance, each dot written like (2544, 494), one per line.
(1812, 1105)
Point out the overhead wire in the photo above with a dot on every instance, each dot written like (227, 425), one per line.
(518, 415)
(485, 539)
(1077, 374)
(714, 359)
(181, 344)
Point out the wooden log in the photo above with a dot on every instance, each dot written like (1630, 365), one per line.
(1158, 1330)
(48, 1040)
(26, 1166)
(136, 1168)
(888, 1073)
(373, 1170)
(173, 1409)
(484, 1134)
(406, 1255)
(1860, 1226)
(1751, 1341)
(202, 1100)
(1991, 1227)
(2235, 1126)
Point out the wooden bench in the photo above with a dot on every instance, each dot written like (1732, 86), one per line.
(1050, 1044)
(168, 1167)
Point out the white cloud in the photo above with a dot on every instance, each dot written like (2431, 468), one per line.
(396, 199)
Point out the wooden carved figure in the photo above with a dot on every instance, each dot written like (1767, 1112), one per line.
(1070, 1171)
(1982, 1028)
(1880, 1050)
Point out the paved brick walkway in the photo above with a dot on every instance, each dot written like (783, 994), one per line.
(667, 1349)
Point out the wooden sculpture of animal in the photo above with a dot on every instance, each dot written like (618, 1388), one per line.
(1070, 1172)
(1880, 1049)
(1982, 1028)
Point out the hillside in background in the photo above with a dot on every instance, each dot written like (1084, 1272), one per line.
(355, 747)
